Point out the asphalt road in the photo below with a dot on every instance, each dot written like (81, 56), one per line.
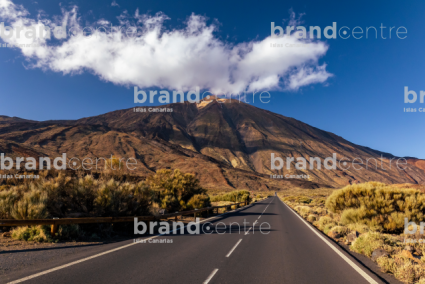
(289, 251)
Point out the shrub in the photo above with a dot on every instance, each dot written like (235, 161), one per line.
(324, 220)
(311, 218)
(403, 269)
(328, 227)
(174, 189)
(198, 201)
(304, 211)
(387, 264)
(32, 205)
(56, 195)
(7, 199)
(377, 205)
(69, 232)
(33, 233)
(298, 199)
(321, 211)
(361, 228)
(407, 270)
(368, 242)
(234, 196)
(340, 230)
(122, 199)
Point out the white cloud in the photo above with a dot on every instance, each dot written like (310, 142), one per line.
(175, 59)
(114, 4)
(307, 76)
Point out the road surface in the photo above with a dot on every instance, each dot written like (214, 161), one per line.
(290, 251)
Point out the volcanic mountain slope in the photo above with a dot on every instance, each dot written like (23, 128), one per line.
(228, 144)
(47, 139)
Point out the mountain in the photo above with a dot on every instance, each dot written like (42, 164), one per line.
(228, 144)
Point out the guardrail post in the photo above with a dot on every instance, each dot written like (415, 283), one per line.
(53, 230)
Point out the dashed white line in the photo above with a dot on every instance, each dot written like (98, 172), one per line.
(211, 276)
(230, 252)
(248, 231)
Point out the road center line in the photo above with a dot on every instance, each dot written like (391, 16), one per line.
(211, 276)
(248, 231)
(343, 256)
(266, 208)
(230, 252)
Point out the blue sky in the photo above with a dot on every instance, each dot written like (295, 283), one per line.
(361, 100)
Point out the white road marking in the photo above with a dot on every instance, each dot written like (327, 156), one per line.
(352, 264)
(211, 276)
(266, 207)
(248, 231)
(230, 252)
(103, 253)
(263, 212)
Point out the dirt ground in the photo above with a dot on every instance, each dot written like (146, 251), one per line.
(9, 244)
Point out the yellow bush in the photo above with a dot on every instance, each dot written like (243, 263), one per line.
(199, 201)
(407, 270)
(311, 218)
(387, 264)
(323, 221)
(377, 205)
(340, 230)
(234, 196)
(368, 242)
(33, 233)
(304, 211)
(297, 199)
(361, 228)
(174, 189)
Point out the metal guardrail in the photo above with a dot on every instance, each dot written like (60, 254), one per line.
(92, 220)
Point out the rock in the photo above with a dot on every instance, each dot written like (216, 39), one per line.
(378, 253)
(334, 235)
(351, 237)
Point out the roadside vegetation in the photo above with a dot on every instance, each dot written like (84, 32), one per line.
(55, 194)
(369, 218)
(233, 196)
